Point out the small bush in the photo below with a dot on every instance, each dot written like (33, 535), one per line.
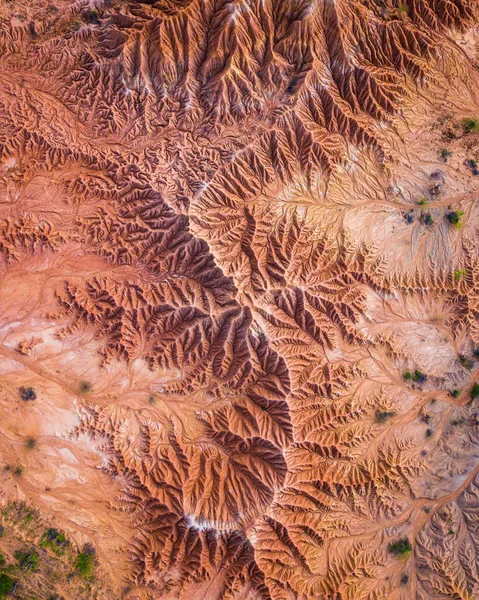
(55, 540)
(28, 516)
(465, 361)
(27, 559)
(85, 387)
(400, 548)
(152, 400)
(3, 560)
(455, 393)
(419, 377)
(454, 218)
(459, 273)
(2, 530)
(475, 391)
(27, 393)
(6, 585)
(471, 124)
(429, 432)
(445, 153)
(472, 163)
(428, 220)
(384, 415)
(409, 217)
(85, 562)
(31, 442)
(422, 201)
(403, 8)
(451, 532)
(18, 470)
(91, 16)
(407, 375)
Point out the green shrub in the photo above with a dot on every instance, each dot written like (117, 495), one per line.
(401, 548)
(85, 562)
(27, 559)
(55, 540)
(407, 375)
(419, 377)
(458, 274)
(31, 442)
(28, 516)
(3, 560)
(454, 218)
(455, 393)
(475, 391)
(428, 220)
(422, 201)
(471, 124)
(6, 585)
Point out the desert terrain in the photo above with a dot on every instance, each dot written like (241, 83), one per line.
(239, 299)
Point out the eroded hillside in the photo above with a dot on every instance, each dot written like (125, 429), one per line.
(240, 295)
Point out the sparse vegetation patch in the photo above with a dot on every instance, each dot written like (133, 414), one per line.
(27, 393)
(384, 415)
(475, 391)
(402, 548)
(454, 218)
(471, 124)
(31, 442)
(445, 154)
(54, 540)
(27, 559)
(85, 562)
(465, 361)
(419, 377)
(85, 387)
(7, 584)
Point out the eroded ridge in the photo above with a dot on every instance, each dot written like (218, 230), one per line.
(243, 219)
